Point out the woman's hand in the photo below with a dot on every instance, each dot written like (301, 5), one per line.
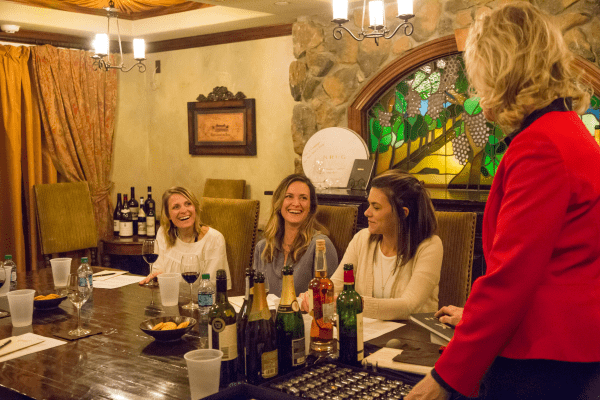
(304, 301)
(428, 389)
(449, 315)
(150, 277)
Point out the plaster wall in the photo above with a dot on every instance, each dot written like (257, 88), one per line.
(151, 134)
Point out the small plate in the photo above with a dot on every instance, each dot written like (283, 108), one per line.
(170, 335)
(48, 304)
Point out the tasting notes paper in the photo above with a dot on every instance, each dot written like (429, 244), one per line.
(26, 344)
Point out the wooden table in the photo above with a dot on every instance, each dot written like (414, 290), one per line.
(122, 362)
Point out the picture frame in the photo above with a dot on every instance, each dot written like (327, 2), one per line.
(222, 128)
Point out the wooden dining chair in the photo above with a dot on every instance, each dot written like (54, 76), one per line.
(65, 217)
(457, 232)
(225, 188)
(237, 220)
(340, 221)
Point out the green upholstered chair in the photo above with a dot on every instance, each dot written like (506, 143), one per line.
(225, 188)
(340, 221)
(457, 232)
(65, 217)
(237, 220)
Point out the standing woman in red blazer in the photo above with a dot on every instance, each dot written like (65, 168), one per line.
(531, 326)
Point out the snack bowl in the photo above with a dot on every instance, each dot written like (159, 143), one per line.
(167, 335)
(50, 303)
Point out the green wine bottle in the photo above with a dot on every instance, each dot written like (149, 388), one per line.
(350, 321)
(242, 322)
(223, 333)
(261, 337)
(290, 326)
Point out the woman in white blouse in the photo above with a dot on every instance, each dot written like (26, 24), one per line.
(182, 233)
(398, 258)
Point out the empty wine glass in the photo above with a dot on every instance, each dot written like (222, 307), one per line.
(191, 267)
(78, 291)
(150, 254)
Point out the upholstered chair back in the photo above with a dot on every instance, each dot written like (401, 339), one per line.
(225, 188)
(340, 221)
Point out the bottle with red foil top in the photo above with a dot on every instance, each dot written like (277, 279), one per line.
(350, 321)
(322, 306)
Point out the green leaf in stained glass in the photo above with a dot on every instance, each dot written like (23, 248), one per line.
(595, 102)
(424, 89)
(430, 122)
(419, 77)
(402, 87)
(398, 124)
(434, 79)
(383, 148)
(401, 104)
(377, 108)
(443, 117)
(416, 127)
(484, 171)
(501, 148)
(374, 143)
(376, 128)
(455, 110)
(386, 137)
(461, 85)
(472, 106)
(496, 129)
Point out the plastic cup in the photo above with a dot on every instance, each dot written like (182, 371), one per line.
(61, 268)
(169, 288)
(6, 287)
(204, 371)
(20, 303)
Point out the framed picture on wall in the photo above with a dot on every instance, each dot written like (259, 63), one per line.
(222, 128)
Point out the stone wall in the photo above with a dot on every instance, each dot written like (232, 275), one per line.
(328, 73)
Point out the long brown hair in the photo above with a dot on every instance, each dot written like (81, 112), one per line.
(404, 190)
(275, 228)
(167, 225)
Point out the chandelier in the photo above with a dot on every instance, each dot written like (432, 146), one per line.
(102, 46)
(376, 20)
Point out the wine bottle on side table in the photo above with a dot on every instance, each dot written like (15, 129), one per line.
(150, 215)
(134, 209)
(126, 225)
(141, 219)
(223, 335)
(261, 337)
(242, 322)
(117, 215)
(320, 290)
(290, 326)
(350, 321)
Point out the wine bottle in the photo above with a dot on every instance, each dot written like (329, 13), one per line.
(350, 321)
(320, 290)
(134, 209)
(223, 331)
(290, 326)
(126, 225)
(117, 215)
(261, 337)
(242, 321)
(141, 219)
(150, 215)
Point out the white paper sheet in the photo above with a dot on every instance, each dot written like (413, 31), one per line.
(373, 328)
(384, 358)
(33, 342)
(106, 275)
(117, 282)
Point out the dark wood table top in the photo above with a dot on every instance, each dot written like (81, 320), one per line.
(121, 362)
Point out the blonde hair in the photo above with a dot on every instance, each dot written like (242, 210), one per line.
(165, 221)
(517, 61)
(275, 228)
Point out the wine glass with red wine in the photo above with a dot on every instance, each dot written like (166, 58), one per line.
(150, 254)
(3, 278)
(191, 267)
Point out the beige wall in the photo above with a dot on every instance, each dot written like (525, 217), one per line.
(151, 134)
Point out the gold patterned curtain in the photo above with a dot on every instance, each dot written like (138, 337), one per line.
(23, 160)
(78, 114)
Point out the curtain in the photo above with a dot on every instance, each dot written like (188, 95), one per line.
(78, 114)
(23, 160)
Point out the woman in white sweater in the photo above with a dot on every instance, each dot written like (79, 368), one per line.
(397, 259)
(182, 233)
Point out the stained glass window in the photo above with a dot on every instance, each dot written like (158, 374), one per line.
(427, 124)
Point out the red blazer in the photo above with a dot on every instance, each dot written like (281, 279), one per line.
(540, 296)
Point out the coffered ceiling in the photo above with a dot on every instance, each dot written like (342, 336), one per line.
(155, 20)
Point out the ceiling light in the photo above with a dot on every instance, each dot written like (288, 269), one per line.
(376, 19)
(282, 3)
(102, 46)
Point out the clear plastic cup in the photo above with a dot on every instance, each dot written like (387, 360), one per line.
(20, 303)
(169, 288)
(61, 268)
(204, 371)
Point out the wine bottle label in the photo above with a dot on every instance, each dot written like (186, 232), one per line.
(328, 311)
(298, 351)
(134, 212)
(359, 337)
(288, 308)
(150, 226)
(126, 228)
(224, 338)
(311, 300)
(269, 365)
(141, 228)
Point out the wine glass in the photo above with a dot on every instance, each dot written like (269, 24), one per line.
(150, 254)
(78, 291)
(191, 266)
(3, 278)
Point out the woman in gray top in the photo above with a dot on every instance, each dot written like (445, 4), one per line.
(290, 236)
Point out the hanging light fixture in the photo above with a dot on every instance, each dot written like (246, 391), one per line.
(102, 46)
(376, 19)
